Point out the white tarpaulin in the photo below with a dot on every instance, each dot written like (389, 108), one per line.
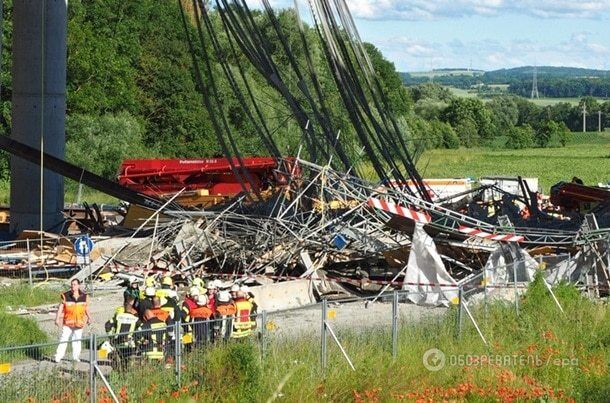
(508, 261)
(426, 267)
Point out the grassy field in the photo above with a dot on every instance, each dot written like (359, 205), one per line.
(586, 156)
(19, 330)
(538, 355)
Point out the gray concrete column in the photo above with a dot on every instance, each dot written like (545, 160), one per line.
(39, 106)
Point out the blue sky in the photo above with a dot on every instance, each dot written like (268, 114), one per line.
(420, 35)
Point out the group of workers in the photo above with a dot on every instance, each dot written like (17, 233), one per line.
(208, 313)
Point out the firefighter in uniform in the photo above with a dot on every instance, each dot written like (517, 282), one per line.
(162, 314)
(200, 321)
(123, 326)
(169, 297)
(223, 316)
(74, 308)
(243, 325)
(153, 337)
(189, 303)
(147, 301)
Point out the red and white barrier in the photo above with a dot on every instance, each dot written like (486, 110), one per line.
(493, 237)
(394, 208)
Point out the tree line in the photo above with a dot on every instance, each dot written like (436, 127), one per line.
(504, 121)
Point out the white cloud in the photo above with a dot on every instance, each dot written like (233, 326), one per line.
(426, 9)
(415, 55)
(435, 9)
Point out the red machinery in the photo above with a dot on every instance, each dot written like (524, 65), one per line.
(574, 196)
(212, 175)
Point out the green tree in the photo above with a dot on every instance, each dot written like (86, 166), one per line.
(520, 137)
(467, 132)
(100, 143)
(470, 111)
(504, 113)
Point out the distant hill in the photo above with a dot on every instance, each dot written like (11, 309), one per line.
(543, 71)
(554, 82)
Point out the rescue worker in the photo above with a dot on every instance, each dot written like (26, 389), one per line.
(149, 281)
(169, 297)
(132, 290)
(189, 303)
(124, 324)
(250, 297)
(162, 314)
(153, 336)
(234, 290)
(72, 315)
(212, 291)
(147, 301)
(223, 316)
(200, 284)
(243, 324)
(200, 321)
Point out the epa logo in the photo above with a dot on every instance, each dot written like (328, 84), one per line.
(434, 359)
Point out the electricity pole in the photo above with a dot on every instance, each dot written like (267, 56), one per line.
(584, 118)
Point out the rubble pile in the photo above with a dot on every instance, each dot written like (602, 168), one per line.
(344, 236)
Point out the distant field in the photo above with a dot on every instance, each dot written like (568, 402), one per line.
(586, 156)
(463, 93)
(554, 101)
(445, 73)
(540, 102)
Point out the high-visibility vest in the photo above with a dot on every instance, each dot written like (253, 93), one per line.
(223, 319)
(160, 314)
(125, 325)
(226, 309)
(74, 309)
(201, 312)
(243, 323)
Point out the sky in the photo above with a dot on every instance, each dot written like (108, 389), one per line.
(420, 35)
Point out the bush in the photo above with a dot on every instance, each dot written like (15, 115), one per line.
(100, 143)
(520, 137)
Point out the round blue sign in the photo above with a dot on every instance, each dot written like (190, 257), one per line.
(83, 245)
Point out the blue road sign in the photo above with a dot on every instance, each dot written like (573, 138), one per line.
(83, 245)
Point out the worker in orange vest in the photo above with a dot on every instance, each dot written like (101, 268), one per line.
(223, 316)
(162, 314)
(72, 315)
(243, 324)
(200, 321)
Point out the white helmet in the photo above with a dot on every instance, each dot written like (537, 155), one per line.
(244, 289)
(234, 288)
(224, 296)
(202, 300)
(150, 291)
(133, 279)
(194, 291)
(214, 284)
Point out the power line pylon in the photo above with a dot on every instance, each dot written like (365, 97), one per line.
(535, 85)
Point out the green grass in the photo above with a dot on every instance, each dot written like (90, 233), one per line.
(540, 354)
(586, 156)
(20, 294)
(21, 330)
